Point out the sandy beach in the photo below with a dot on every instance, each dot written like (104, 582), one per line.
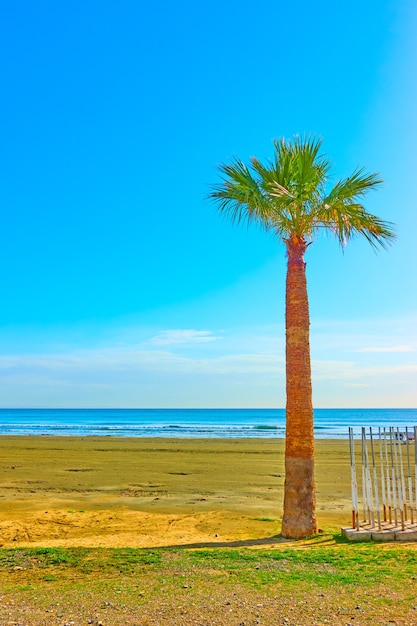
(60, 494)
(114, 492)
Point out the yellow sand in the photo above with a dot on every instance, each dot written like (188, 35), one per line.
(105, 491)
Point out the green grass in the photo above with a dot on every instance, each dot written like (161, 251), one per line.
(356, 565)
(377, 582)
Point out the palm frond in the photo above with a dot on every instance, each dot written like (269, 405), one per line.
(357, 184)
(289, 195)
(239, 195)
(343, 212)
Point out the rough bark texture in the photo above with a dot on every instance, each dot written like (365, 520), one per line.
(299, 519)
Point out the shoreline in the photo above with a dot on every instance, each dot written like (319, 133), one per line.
(193, 423)
(153, 491)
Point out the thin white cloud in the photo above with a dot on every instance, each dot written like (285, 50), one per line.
(182, 367)
(385, 349)
(333, 370)
(123, 377)
(356, 385)
(155, 361)
(183, 336)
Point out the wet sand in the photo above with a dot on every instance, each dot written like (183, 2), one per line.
(113, 492)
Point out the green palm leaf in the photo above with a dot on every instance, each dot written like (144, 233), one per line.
(289, 195)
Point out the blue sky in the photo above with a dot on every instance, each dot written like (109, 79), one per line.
(122, 286)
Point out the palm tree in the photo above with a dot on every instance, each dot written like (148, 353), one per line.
(290, 197)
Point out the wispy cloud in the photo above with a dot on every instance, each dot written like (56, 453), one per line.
(123, 377)
(184, 367)
(183, 336)
(349, 370)
(356, 385)
(385, 349)
(119, 360)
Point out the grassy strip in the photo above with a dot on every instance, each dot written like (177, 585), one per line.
(314, 584)
(357, 565)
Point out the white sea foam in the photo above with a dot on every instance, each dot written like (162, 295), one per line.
(222, 423)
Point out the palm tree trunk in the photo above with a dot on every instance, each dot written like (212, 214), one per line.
(299, 518)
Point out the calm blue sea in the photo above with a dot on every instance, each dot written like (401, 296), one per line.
(223, 423)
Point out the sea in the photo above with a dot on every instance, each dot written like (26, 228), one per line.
(213, 423)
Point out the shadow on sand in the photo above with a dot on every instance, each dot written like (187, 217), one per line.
(275, 540)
